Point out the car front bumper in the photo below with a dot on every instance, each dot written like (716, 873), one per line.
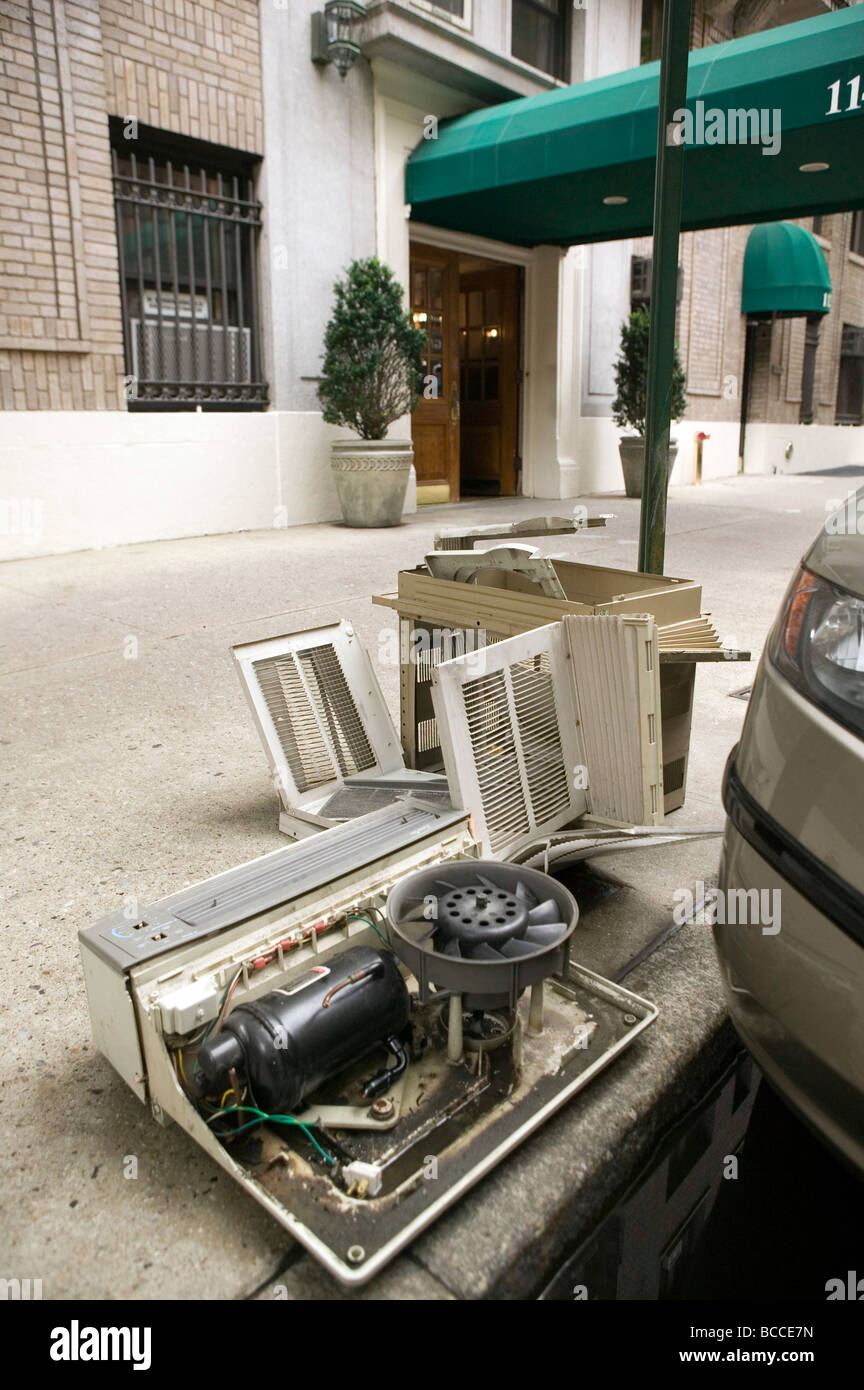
(795, 984)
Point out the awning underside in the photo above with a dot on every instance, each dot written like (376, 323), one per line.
(537, 170)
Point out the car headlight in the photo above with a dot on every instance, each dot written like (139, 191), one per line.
(818, 644)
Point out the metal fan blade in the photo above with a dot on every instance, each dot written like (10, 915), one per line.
(514, 948)
(526, 898)
(452, 948)
(485, 952)
(544, 933)
(547, 911)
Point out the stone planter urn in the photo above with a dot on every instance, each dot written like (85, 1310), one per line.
(632, 451)
(371, 478)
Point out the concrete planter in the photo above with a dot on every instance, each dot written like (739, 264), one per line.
(371, 477)
(632, 451)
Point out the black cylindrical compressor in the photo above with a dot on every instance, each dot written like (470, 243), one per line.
(288, 1042)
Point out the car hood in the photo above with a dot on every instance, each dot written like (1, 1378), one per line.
(837, 554)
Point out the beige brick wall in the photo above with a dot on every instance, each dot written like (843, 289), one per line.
(191, 67)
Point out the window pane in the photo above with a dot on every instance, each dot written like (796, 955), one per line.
(474, 382)
(436, 287)
(538, 34)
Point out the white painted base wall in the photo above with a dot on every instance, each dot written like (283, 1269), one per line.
(815, 448)
(596, 466)
(79, 480)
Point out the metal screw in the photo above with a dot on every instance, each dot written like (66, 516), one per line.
(356, 1254)
(630, 1018)
(382, 1109)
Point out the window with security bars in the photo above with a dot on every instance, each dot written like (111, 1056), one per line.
(187, 230)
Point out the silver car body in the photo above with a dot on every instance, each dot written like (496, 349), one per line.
(794, 797)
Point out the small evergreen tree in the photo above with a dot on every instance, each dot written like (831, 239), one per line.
(631, 375)
(372, 352)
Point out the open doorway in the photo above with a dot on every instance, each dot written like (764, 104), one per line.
(489, 378)
(465, 428)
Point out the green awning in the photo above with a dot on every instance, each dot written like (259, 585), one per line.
(538, 170)
(784, 272)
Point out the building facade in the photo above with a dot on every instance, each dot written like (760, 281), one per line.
(182, 183)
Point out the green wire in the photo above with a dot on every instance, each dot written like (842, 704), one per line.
(361, 917)
(273, 1119)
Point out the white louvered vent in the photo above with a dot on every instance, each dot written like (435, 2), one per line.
(434, 645)
(315, 718)
(617, 673)
(319, 710)
(507, 721)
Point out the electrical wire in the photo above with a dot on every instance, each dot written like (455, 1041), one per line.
(263, 1117)
(361, 917)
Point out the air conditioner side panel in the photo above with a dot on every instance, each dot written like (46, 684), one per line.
(113, 1021)
(616, 673)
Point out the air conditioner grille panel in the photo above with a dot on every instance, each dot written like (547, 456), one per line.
(542, 754)
(335, 709)
(493, 749)
(297, 730)
(316, 720)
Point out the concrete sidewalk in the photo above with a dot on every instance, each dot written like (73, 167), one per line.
(132, 767)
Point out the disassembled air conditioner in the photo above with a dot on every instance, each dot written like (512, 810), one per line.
(465, 537)
(483, 566)
(541, 728)
(478, 606)
(357, 1072)
(535, 730)
(326, 729)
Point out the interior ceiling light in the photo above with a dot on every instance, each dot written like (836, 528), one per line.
(615, 200)
(817, 167)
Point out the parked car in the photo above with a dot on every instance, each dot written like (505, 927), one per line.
(793, 790)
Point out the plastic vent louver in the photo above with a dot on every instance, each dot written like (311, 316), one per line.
(315, 718)
(319, 710)
(616, 669)
(508, 726)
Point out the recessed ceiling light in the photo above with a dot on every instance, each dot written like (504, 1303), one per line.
(817, 167)
(614, 200)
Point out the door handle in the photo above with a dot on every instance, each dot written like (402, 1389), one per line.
(454, 404)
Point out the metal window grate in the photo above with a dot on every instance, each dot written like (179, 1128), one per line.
(187, 241)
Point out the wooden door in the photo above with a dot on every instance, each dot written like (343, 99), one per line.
(435, 422)
(489, 389)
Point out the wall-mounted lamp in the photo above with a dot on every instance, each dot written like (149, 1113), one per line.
(336, 34)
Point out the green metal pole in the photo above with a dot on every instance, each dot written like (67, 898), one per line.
(668, 182)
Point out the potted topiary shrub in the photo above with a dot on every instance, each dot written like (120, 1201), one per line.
(372, 358)
(628, 407)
